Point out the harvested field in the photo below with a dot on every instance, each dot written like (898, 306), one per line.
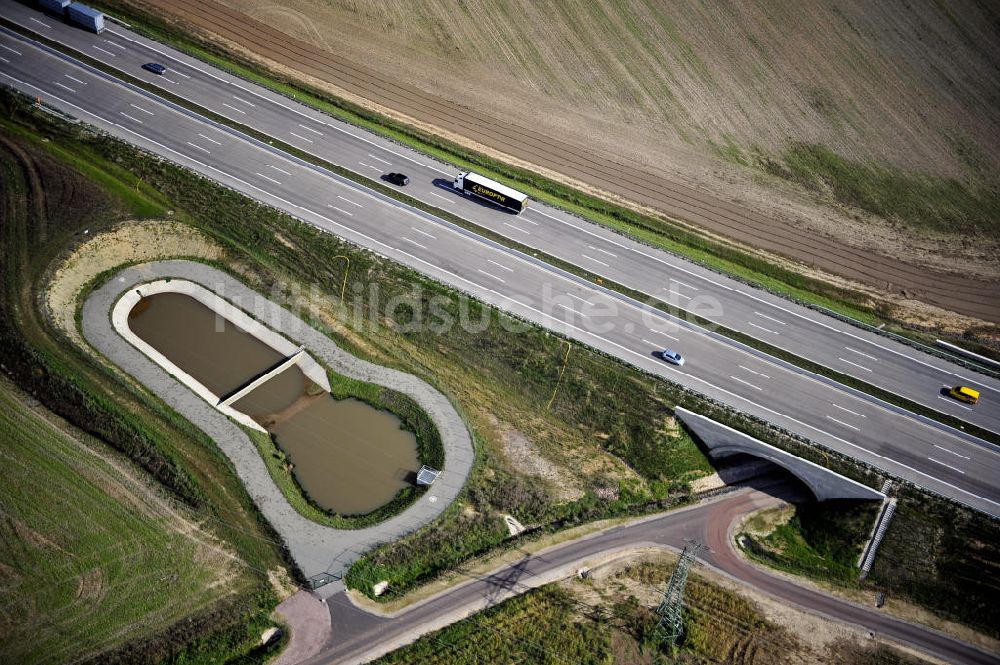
(859, 142)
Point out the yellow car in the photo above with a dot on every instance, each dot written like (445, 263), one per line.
(964, 394)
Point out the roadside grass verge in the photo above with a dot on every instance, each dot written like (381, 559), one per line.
(706, 256)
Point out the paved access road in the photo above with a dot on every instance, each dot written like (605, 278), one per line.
(923, 453)
(864, 355)
(358, 636)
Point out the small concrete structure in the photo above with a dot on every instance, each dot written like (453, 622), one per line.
(223, 308)
(722, 441)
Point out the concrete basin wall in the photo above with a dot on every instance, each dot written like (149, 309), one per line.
(317, 550)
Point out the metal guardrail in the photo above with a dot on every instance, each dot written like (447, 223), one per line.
(934, 351)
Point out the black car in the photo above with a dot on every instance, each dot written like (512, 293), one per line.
(155, 68)
(399, 179)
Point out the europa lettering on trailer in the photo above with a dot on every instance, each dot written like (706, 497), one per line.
(482, 191)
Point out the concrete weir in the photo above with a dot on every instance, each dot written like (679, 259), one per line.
(722, 441)
(322, 553)
(293, 353)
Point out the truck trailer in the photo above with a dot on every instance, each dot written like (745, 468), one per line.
(85, 17)
(491, 190)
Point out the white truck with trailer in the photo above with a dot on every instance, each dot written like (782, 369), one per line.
(491, 190)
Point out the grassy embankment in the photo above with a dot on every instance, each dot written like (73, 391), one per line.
(741, 337)
(412, 418)
(935, 555)
(604, 429)
(611, 620)
(46, 205)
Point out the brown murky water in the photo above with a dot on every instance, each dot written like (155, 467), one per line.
(349, 457)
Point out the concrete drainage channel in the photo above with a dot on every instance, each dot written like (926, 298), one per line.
(322, 553)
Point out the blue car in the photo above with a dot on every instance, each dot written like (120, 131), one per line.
(672, 357)
(155, 68)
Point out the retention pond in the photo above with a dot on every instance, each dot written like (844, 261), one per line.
(349, 457)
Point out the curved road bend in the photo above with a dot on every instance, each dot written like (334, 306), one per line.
(358, 636)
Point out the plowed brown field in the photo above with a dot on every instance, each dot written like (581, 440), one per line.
(761, 216)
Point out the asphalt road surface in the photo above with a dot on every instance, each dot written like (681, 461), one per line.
(636, 182)
(358, 636)
(663, 277)
(927, 454)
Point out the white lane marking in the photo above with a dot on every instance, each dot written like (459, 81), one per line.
(64, 86)
(210, 139)
(491, 275)
(517, 228)
(526, 220)
(861, 354)
(174, 71)
(591, 258)
(140, 108)
(841, 422)
(433, 266)
(443, 198)
(379, 159)
(4, 46)
(680, 283)
(115, 44)
(500, 265)
(947, 465)
(602, 251)
(853, 413)
(567, 307)
(194, 145)
(230, 106)
(272, 166)
(32, 18)
(954, 403)
(423, 233)
(244, 101)
(950, 451)
(164, 78)
(580, 298)
(349, 201)
(103, 50)
(73, 78)
(746, 383)
(375, 168)
(310, 129)
(130, 117)
(414, 242)
(753, 371)
(770, 318)
(867, 369)
(4, 59)
(653, 344)
(660, 332)
(349, 214)
(773, 332)
(269, 178)
(301, 138)
(678, 294)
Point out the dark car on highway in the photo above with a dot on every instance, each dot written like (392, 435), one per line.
(155, 68)
(399, 179)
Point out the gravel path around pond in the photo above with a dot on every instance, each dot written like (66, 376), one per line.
(316, 549)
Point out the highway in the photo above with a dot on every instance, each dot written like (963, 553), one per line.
(359, 636)
(661, 276)
(925, 453)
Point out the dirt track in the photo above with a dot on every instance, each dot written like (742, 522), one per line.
(970, 297)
